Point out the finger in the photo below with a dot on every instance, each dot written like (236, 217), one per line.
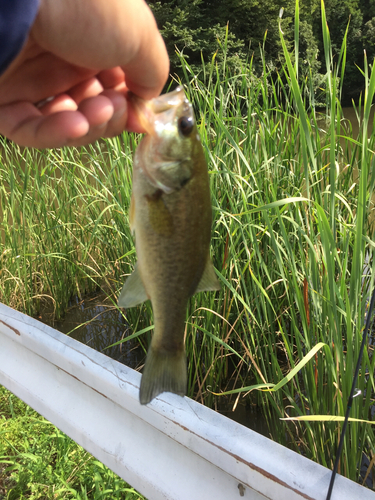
(112, 127)
(113, 78)
(61, 123)
(62, 102)
(73, 97)
(40, 77)
(119, 119)
(124, 118)
(26, 125)
(86, 89)
(23, 123)
(105, 115)
(98, 110)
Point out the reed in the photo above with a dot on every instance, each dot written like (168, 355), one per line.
(292, 242)
(293, 245)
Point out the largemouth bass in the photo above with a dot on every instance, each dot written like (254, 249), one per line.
(170, 214)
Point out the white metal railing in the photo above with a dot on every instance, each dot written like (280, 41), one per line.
(173, 448)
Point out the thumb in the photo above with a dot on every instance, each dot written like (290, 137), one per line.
(101, 34)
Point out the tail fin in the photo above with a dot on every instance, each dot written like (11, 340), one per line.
(163, 372)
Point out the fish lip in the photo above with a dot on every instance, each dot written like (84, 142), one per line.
(143, 110)
(146, 110)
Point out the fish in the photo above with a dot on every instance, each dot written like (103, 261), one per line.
(170, 216)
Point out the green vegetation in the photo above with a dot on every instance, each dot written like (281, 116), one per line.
(64, 222)
(293, 243)
(37, 461)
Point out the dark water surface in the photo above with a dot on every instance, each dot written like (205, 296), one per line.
(95, 322)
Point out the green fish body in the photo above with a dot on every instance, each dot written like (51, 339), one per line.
(170, 215)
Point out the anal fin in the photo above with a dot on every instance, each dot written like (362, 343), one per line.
(133, 292)
(209, 281)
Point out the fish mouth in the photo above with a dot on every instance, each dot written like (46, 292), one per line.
(146, 111)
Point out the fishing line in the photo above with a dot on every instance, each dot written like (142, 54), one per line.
(351, 396)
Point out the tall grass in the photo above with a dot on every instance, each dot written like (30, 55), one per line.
(293, 204)
(64, 227)
(293, 201)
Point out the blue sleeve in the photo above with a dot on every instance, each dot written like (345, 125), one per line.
(16, 19)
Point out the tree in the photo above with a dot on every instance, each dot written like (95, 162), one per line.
(196, 27)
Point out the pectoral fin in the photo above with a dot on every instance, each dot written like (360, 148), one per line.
(133, 292)
(209, 281)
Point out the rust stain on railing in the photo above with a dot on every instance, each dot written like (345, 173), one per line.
(11, 327)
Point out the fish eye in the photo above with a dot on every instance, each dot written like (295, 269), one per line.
(185, 125)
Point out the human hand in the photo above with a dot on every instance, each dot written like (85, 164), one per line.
(87, 55)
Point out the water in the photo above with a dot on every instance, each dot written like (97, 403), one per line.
(351, 117)
(95, 322)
